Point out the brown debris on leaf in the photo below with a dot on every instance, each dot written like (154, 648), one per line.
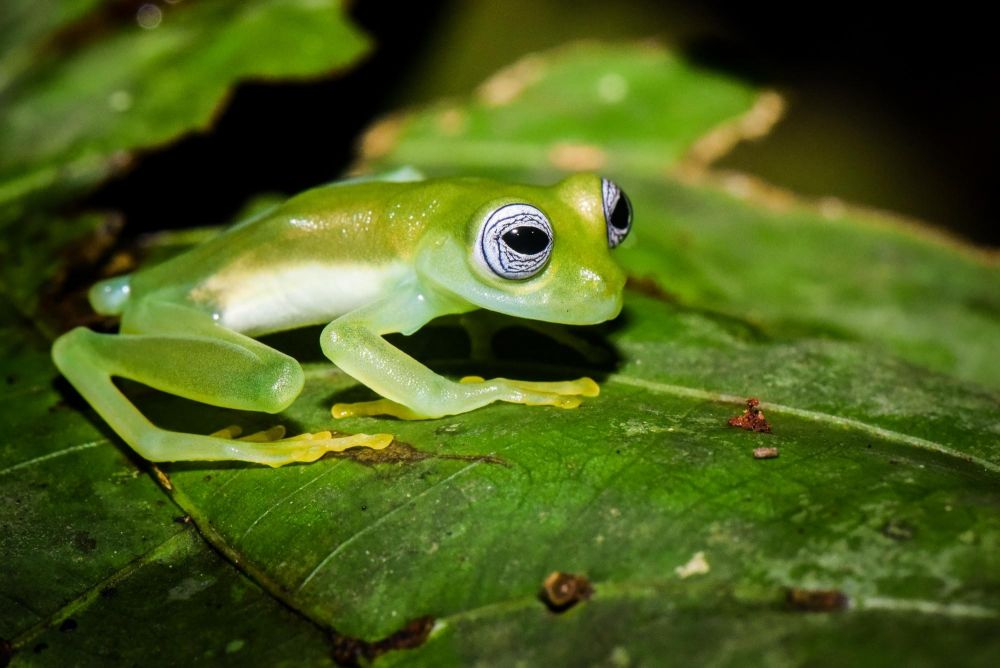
(561, 591)
(815, 600)
(764, 453)
(648, 286)
(752, 418)
(398, 452)
(348, 651)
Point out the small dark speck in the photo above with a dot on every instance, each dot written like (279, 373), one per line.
(84, 542)
(815, 600)
(160, 503)
(561, 591)
(207, 478)
(897, 530)
(618, 452)
(869, 446)
(68, 625)
(11, 380)
(364, 507)
(40, 647)
(183, 519)
(449, 430)
(895, 461)
(109, 592)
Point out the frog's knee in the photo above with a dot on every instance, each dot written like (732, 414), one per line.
(70, 344)
(280, 384)
(153, 444)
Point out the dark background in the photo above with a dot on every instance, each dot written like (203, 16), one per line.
(894, 108)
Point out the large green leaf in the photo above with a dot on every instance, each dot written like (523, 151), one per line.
(885, 490)
(80, 90)
(789, 266)
(89, 543)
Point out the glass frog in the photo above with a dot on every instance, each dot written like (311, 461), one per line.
(369, 257)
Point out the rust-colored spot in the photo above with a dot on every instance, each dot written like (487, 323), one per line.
(381, 137)
(452, 122)
(507, 85)
(404, 453)
(754, 124)
(577, 157)
(162, 478)
(646, 285)
(815, 600)
(561, 591)
(120, 262)
(752, 418)
(763, 453)
(348, 651)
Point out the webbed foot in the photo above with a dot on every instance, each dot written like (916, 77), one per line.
(561, 394)
(306, 447)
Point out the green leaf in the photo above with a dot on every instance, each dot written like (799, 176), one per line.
(104, 86)
(180, 598)
(884, 492)
(723, 243)
(626, 110)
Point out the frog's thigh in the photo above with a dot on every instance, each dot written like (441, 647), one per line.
(182, 351)
(193, 358)
(89, 360)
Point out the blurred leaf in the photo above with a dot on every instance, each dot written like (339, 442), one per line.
(103, 85)
(24, 26)
(634, 114)
(624, 110)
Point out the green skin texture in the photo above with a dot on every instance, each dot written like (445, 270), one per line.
(417, 238)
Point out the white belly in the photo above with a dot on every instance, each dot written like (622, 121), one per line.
(297, 295)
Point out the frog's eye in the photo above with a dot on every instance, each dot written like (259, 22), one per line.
(515, 241)
(617, 212)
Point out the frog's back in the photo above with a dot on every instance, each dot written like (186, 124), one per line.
(319, 254)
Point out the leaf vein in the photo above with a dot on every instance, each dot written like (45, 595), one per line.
(813, 416)
(52, 455)
(370, 527)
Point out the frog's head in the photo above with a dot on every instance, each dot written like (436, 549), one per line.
(543, 253)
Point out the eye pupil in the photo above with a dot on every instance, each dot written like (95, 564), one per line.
(617, 213)
(621, 216)
(515, 241)
(527, 240)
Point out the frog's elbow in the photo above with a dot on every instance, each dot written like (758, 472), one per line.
(110, 297)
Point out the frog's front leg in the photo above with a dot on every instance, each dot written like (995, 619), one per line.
(412, 391)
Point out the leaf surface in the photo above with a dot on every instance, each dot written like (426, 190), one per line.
(884, 493)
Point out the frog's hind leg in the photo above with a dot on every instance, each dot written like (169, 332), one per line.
(181, 351)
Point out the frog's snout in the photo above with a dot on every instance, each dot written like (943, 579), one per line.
(601, 294)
